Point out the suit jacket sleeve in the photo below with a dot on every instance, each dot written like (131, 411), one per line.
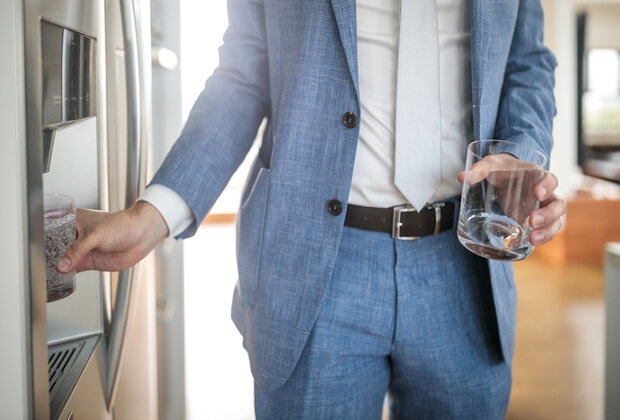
(224, 120)
(527, 104)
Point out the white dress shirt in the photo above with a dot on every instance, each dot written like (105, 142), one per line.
(373, 174)
(377, 43)
(173, 208)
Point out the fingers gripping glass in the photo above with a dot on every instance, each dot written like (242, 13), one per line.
(498, 198)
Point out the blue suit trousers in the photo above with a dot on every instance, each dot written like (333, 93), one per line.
(413, 319)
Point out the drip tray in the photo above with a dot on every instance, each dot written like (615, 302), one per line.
(66, 362)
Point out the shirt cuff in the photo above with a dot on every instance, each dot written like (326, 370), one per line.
(173, 208)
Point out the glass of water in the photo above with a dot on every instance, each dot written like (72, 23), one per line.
(60, 232)
(498, 198)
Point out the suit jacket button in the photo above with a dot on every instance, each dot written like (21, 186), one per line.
(349, 120)
(334, 207)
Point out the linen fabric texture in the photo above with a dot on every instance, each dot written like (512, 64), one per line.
(294, 63)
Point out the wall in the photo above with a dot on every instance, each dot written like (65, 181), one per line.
(560, 36)
(603, 20)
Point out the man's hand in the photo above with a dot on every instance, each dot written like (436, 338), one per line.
(546, 221)
(114, 241)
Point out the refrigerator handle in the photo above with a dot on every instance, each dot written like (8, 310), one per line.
(126, 291)
(121, 318)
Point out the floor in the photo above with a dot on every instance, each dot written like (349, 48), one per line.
(558, 366)
(559, 359)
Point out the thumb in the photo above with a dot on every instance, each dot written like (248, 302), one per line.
(76, 255)
(473, 176)
(65, 264)
(68, 261)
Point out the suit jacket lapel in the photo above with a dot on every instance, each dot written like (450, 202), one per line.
(344, 12)
(486, 18)
(479, 50)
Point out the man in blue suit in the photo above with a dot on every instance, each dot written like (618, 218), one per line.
(334, 310)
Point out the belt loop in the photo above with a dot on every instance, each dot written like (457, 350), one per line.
(438, 207)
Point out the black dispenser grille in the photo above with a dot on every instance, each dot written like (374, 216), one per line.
(66, 362)
(59, 362)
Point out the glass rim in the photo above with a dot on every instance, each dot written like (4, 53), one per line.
(55, 201)
(534, 151)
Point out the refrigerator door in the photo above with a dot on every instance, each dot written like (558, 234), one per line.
(132, 351)
(64, 53)
(167, 122)
(105, 330)
(16, 381)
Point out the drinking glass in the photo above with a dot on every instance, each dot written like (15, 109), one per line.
(60, 232)
(498, 198)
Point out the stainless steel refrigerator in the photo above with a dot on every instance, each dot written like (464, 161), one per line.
(76, 111)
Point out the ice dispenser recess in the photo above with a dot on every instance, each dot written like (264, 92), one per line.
(69, 81)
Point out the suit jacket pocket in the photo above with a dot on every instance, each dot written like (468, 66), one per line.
(250, 226)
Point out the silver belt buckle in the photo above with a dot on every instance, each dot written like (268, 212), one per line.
(397, 223)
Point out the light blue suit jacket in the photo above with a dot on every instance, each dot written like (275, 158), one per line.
(294, 63)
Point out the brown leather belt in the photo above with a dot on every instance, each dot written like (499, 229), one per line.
(402, 222)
